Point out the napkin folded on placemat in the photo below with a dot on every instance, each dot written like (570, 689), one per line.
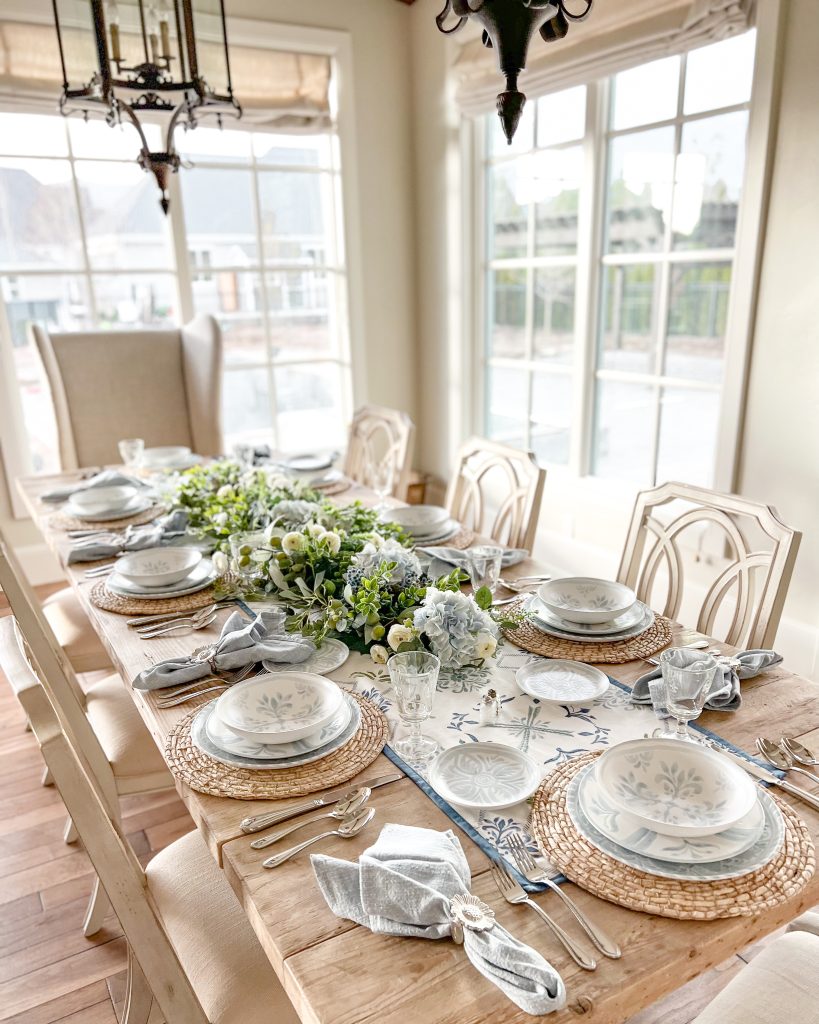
(241, 643)
(460, 559)
(403, 884)
(165, 531)
(725, 691)
(107, 478)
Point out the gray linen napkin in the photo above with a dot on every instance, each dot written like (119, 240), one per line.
(403, 884)
(167, 530)
(241, 643)
(107, 478)
(725, 690)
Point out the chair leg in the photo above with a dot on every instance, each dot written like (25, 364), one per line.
(48, 778)
(98, 907)
(138, 995)
(70, 835)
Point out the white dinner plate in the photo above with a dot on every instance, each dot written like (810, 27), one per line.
(484, 775)
(628, 620)
(228, 741)
(557, 681)
(447, 532)
(280, 707)
(331, 655)
(583, 638)
(139, 503)
(419, 520)
(308, 462)
(202, 576)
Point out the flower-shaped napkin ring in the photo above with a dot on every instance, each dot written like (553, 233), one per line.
(467, 911)
(204, 655)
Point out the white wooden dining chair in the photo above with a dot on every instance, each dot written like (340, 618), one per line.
(190, 945)
(676, 525)
(380, 437)
(163, 386)
(104, 718)
(497, 491)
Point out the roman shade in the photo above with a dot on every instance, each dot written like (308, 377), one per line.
(616, 36)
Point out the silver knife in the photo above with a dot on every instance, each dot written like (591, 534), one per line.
(260, 821)
(760, 773)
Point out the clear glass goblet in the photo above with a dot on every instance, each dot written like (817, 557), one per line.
(131, 450)
(688, 677)
(242, 546)
(485, 566)
(381, 479)
(414, 677)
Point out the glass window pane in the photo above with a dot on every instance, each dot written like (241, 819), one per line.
(246, 409)
(507, 313)
(219, 217)
(38, 214)
(124, 224)
(628, 329)
(641, 174)
(523, 138)
(96, 139)
(561, 116)
(623, 431)
(299, 307)
(237, 303)
(688, 436)
(551, 417)
(218, 144)
(646, 94)
(697, 317)
(555, 190)
(136, 300)
(710, 170)
(303, 150)
(32, 135)
(507, 404)
(296, 217)
(554, 314)
(507, 210)
(308, 403)
(720, 75)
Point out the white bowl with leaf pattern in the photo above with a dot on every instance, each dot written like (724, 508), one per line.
(280, 707)
(675, 788)
(158, 567)
(585, 599)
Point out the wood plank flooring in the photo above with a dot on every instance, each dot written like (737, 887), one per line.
(49, 972)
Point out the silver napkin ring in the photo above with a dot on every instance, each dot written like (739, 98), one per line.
(206, 655)
(467, 911)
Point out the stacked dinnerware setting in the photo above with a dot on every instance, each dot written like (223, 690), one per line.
(156, 574)
(425, 524)
(104, 504)
(586, 610)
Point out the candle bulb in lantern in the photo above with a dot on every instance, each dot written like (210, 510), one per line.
(113, 22)
(153, 34)
(164, 31)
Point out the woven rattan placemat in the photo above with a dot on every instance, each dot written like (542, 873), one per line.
(103, 598)
(206, 775)
(61, 521)
(778, 881)
(534, 640)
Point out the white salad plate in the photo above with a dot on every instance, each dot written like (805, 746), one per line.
(103, 499)
(585, 599)
(557, 681)
(533, 606)
(621, 624)
(280, 707)
(625, 830)
(449, 529)
(202, 576)
(228, 741)
(419, 520)
(139, 503)
(158, 567)
(331, 655)
(308, 462)
(755, 857)
(484, 775)
(678, 789)
(201, 739)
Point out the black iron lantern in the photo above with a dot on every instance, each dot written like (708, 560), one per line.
(140, 57)
(508, 27)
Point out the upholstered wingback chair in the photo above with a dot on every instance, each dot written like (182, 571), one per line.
(164, 386)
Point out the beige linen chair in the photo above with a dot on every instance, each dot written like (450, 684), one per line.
(754, 559)
(380, 436)
(75, 633)
(190, 946)
(497, 491)
(163, 386)
(104, 718)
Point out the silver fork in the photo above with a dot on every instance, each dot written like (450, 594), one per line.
(514, 893)
(176, 701)
(191, 623)
(99, 570)
(525, 863)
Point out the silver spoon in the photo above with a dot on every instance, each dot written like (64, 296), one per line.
(798, 751)
(774, 755)
(342, 810)
(198, 621)
(347, 829)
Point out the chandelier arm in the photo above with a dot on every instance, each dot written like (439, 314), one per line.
(441, 18)
(463, 8)
(575, 17)
(135, 122)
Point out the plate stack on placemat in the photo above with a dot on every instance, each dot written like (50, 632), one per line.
(157, 580)
(589, 620)
(261, 740)
(670, 828)
(429, 524)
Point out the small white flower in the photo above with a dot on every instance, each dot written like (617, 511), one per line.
(225, 491)
(485, 645)
(292, 543)
(315, 529)
(220, 518)
(399, 635)
(332, 540)
(379, 654)
(221, 562)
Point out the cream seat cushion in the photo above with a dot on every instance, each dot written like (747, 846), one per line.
(808, 922)
(216, 946)
(74, 632)
(779, 986)
(122, 734)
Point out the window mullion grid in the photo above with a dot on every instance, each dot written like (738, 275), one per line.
(271, 377)
(92, 297)
(529, 328)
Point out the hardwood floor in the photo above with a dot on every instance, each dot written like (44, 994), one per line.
(49, 971)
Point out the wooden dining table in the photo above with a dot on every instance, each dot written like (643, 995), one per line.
(336, 971)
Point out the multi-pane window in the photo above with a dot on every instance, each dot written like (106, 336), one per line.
(659, 234)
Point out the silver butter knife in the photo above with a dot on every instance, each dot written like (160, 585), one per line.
(260, 821)
(774, 780)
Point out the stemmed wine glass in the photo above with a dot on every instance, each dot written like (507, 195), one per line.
(414, 677)
(381, 478)
(688, 677)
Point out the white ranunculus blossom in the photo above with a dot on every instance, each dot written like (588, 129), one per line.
(379, 654)
(315, 529)
(332, 540)
(292, 543)
(485, 645)
(220, 519)
(225, 491)
(398, 635)
(221, 563)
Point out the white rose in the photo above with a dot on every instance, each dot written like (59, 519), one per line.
(225, 491)
(292, 543)
(378, 654)
(333, 541)
(220, 562)
(220, 519)
(398, 635)
(485, 645)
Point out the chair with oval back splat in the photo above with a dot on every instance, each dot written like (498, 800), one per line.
(380, 437)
